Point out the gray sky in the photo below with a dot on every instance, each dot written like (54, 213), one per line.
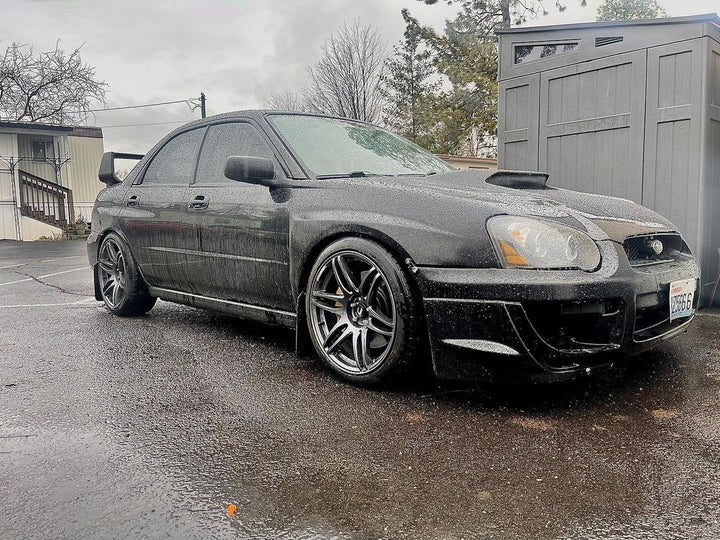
(237, 51)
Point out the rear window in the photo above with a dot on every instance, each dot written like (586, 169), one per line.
(175, 162)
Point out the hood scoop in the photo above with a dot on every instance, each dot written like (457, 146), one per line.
(518, 179)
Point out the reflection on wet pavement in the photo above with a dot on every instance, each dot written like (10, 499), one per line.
(153, 426)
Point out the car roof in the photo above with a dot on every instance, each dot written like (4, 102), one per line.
(253, 114)
(257, 114)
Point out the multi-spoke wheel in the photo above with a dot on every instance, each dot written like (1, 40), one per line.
(359, 310)
(111, 273)
(121, 285)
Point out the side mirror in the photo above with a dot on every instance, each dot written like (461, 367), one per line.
(252, 170)
(107, 166)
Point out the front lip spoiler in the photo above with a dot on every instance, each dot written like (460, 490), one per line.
(671, 333)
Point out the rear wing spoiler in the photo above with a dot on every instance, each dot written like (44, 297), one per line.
(107, 166)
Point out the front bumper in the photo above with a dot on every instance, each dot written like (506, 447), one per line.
(533, 325)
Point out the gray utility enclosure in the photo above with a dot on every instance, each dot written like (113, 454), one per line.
(628, 109)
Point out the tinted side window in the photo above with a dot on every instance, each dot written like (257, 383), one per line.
(224, 140)
(175, 162)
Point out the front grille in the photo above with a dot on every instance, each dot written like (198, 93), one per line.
(640, 252)
(652, 315)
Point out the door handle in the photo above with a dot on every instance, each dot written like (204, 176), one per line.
(199, 202)
(132, 200)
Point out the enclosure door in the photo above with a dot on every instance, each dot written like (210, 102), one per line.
(518, 123)
(673, 135)
(592, 123)
(711, 220)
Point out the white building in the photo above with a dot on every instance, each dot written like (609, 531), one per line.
(467, 162)
(48, 178)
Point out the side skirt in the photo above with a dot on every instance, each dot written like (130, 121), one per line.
(238, 309)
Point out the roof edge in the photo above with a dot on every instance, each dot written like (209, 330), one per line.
(706, 17)
(468, 158)
(77, 131)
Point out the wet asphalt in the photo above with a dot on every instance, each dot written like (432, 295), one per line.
(152, 426)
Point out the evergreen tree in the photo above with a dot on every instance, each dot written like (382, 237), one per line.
(462, 114)
(406, 84)
(491, 14)
(624, 10)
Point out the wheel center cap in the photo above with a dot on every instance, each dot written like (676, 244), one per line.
(358, 310)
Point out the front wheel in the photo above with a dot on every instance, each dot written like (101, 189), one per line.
(122, 287)
(361, 312)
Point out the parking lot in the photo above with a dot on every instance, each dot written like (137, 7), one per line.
(152, 426)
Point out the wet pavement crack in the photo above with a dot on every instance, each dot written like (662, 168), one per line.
(38, 280)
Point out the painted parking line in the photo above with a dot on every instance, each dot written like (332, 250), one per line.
(45, 276)
(42, 261)
(89, 302)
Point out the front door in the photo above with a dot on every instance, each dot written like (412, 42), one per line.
(242, 228)
(155, 218)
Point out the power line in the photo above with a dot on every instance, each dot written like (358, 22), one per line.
(187, 101)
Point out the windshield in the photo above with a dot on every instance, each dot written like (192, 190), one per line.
(336, 147)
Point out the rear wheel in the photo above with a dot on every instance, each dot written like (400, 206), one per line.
(361, 312)
(122, 287)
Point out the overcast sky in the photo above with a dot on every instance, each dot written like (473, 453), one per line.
(237, 51)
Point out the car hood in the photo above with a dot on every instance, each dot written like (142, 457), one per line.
(601, 216)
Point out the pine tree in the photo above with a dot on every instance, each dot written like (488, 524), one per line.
(461, 114)
(406, 83)
(625, 10)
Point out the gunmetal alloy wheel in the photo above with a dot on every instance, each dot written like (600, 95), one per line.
(112, 273)
(352, 314)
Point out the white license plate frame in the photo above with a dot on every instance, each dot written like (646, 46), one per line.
(681, 298)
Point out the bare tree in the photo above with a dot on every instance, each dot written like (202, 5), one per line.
(287, 101)
(52, 87)
(346, 81)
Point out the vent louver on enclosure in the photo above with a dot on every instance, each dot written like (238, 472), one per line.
(602, 41)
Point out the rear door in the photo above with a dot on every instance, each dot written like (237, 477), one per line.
(155, 219)
(242, 228)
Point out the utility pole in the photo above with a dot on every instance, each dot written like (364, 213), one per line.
(202, 104)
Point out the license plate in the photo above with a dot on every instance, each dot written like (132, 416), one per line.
(682, 294)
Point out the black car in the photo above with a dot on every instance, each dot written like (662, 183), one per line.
(377, 251)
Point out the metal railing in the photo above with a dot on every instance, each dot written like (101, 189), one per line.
(46, 201)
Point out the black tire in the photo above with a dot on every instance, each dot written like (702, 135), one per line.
(122, 287)
(325, 311)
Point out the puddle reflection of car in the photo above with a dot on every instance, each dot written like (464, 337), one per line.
(378, 252)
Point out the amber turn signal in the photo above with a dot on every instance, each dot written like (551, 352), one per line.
(512, 256)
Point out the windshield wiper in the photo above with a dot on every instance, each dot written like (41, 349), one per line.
(365, 174)
(354, 174)
(418, 174)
